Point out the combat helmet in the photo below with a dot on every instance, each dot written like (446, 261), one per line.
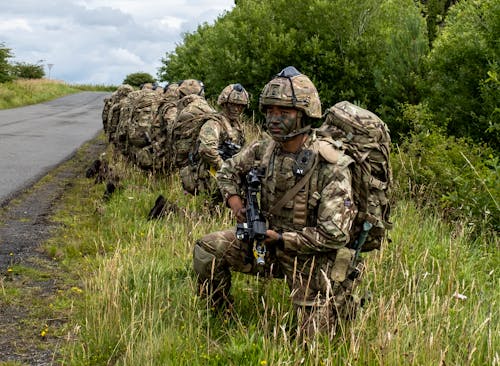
(123, 90)
(235, 94)
(290, 88)
(172, 90)
(191, 86)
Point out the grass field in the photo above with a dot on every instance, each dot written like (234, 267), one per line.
(31, 91)
(435, 292)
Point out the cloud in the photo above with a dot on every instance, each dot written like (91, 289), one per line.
(15, 25)
(101, 41)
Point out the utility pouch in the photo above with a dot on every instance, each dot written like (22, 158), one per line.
(189, 179)
(300, 207)
(341, 265)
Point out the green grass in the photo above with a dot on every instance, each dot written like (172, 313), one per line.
(24, 92)
(138, 304)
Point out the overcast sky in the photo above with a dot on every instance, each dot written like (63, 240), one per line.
(100, 41)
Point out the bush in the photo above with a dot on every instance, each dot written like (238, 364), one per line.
(138, 78)
(25, 70)
(454, 175)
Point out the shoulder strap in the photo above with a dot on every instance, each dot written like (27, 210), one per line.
(226, 125)
(266, 158)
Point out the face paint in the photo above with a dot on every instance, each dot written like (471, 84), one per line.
(233, 111)
(281, 121)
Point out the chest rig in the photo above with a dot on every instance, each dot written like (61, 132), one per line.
(290, 194)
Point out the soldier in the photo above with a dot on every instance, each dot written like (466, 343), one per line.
(192, 111)
(307, 201)
(220, 137)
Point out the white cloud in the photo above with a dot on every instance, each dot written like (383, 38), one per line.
(171, 22)
(124, 57)
(101, 41)
(15, 25)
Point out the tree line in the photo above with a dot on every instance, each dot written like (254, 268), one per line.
(430, 69)
(397, 58)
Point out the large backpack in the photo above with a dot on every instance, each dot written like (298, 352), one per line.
(142, 117)
(126, 108)
(192, 111)
(366, 139)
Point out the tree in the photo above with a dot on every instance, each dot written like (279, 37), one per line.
(462, 88)
(138, 78)
(28, 71)
(5, 67)
(367, 51)
(435, 12)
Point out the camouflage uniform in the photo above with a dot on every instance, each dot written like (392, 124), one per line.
(219, 129)
(199, 175)
(314, 227)
(111, 110)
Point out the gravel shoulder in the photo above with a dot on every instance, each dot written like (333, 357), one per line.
(33, 322)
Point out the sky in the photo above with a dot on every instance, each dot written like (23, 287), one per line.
(100, 42)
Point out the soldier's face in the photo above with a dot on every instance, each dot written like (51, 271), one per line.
(281, 121)
(234, 111)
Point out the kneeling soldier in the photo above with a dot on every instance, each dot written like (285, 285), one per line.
(307, 200)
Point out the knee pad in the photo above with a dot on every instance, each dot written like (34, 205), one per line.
(203, 261)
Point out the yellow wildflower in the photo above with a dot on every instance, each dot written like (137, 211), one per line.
(77, 289)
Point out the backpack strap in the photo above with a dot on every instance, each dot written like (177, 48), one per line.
(226, 126)
(266, 158)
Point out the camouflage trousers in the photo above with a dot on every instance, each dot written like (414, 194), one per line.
(321, 285)
(197, 178)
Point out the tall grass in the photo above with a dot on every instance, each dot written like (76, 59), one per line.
(31, 91)
(436, 293)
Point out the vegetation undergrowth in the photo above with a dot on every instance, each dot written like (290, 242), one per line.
(435, 289)
(23, 92)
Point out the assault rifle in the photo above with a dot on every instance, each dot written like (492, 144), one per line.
(227, 149)
(253, 230)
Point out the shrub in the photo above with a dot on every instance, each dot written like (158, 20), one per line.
(25, 70)
(138, 78)
(454, 175)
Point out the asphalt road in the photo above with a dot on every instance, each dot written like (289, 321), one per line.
(36, 138)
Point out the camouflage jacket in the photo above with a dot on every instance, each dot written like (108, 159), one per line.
(212, 134)
(328, 207)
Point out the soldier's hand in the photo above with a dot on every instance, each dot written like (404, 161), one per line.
(240, 214)
(239, 211)
(273, 238)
